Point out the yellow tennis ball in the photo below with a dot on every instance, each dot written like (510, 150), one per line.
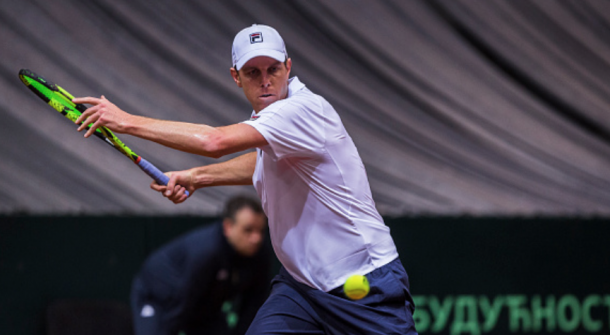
(356, 287)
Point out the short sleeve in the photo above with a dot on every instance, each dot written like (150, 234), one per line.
(292, 128)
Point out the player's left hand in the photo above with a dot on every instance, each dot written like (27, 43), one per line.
(179, 182)
(102, 113)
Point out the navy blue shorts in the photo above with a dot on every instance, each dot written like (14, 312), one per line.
(295, 308)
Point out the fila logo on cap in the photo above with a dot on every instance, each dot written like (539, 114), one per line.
(256, 38)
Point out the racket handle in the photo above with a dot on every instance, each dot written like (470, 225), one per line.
(155, 173)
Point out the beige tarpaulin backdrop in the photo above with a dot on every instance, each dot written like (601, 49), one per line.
(457, 107)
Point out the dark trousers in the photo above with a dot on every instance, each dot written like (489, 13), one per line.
(295, 308)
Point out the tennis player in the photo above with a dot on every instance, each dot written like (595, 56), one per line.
(312, 183)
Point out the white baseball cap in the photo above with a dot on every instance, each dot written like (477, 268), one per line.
(258, 40)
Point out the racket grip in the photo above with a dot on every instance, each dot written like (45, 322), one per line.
(155, 173)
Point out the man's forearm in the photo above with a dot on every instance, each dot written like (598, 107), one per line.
(198, 139)
(194, 138)
(187, 137)
(237, 171)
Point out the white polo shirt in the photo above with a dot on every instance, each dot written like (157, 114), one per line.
(323, 222)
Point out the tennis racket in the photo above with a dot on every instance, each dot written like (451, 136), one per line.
(61, 101)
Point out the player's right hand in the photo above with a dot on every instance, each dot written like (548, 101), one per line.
(179, 182)
(102, 113)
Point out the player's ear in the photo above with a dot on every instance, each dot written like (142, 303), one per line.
(288, 66)
(227, 224)
(236, 77)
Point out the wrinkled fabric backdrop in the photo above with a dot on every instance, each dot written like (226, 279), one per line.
(457, 107)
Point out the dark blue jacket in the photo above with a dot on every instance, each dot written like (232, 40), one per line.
(188, 280)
